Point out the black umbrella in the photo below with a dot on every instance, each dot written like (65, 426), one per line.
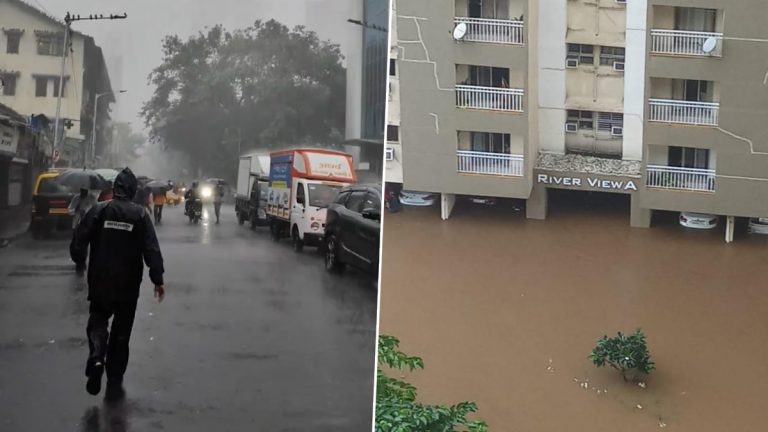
(158, 185)
(82, 179)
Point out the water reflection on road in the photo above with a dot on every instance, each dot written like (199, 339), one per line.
(505, 310)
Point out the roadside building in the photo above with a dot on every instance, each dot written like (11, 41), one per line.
(661, 101)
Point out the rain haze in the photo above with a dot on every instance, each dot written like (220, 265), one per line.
(133, 47)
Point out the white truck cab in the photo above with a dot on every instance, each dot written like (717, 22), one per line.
(302, 183)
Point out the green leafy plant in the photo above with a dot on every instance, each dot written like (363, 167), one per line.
(396, 406)
(624, 353)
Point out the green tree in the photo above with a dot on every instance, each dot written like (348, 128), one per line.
(624, 353)
(396, 406)
(265, 86)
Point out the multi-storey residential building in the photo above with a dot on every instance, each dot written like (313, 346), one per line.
(393, 153)
(31, 46)
(660, 100)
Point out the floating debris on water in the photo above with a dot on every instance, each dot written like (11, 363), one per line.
(638, 406)
(641, 384)
(550, 368)
(52, 341)
(662, 424)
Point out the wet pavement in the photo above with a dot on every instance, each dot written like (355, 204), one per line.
(505, 311)
(251, 336)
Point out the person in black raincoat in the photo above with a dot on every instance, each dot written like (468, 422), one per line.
(120, 235)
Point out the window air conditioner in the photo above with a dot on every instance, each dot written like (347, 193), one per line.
(621, 2)
(617, 131)
(618, 66)
(571, 127)
(571, 63)
(390, 154)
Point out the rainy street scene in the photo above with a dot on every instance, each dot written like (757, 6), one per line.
(190, 211)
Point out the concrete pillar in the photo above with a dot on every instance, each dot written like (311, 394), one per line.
(639, 217)
(730, 225)
(536, 206)
(447, 201)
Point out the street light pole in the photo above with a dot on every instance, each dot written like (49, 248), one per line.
(92, 152)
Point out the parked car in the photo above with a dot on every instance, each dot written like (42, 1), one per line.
(418, 199)
(352, 227)
(758, 226)
(489, 201)
(698, 220)
(50, 201)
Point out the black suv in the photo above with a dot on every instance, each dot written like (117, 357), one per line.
(352, 229)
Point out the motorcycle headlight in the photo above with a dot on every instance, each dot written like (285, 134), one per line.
(207, 192)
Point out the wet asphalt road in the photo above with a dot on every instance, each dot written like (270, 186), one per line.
(251, 336)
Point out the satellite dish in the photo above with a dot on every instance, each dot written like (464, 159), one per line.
(460, 31)
(709, 45)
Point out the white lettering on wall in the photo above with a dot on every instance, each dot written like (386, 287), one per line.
(626, 185)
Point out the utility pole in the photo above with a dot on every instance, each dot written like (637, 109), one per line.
(68, 20)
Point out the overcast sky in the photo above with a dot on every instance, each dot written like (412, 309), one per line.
(132, 47)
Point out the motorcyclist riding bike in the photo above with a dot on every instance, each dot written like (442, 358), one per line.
(190, 196)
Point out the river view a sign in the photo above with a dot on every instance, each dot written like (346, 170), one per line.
(596, 183)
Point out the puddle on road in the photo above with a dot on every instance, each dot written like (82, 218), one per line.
(505, 310)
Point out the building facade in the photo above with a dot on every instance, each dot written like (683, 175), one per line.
(393, 152)
(660, 100)
(31, 46)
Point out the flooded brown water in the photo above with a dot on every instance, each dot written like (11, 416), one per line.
(505, 310)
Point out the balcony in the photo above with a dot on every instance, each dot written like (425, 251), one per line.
(690, 179)
(489, 98)
(492, 30)
(686, 43)
(500, 164)
(684, 112)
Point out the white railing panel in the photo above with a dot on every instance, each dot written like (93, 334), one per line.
(666, 177)
(489, 98)
(679, 42)
(501, 164)
(493, 30)
(684, 112)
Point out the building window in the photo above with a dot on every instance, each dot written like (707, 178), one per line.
(41, 86)
(56, 87)
(611, 55)
(484, 76)
(497, 9)
(695, 19)
(610, 124)
(393, 133)
(584, 119)
(50, 45)
(488, 142)
(584, 53)
(389, 154)
(686, 157)
(13, 40)
(8, 84)
(392, 67)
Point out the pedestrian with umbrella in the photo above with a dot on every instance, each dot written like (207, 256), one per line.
(158, 190)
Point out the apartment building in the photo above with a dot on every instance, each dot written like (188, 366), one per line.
(661, 100)
(31, 46)
(393, 153)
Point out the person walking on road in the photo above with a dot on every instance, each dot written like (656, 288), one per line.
(120, 235)
(218, 197)
(158, 200)
(80, 205)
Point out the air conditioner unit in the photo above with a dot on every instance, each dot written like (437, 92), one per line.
(389, 154)
(571, 63)
(618, 66)
(571, 127)
(621, 2)
(617, 131)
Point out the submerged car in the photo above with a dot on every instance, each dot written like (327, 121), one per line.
(352, 227)
(489, 201)
(758, 226)
(698, 220)
(418, 199)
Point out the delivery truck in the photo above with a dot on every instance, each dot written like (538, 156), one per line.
(252, 189)
(302, 183)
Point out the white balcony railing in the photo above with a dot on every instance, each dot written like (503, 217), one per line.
(489, 98)
(501, 164)
(679, 42)
(692, 179)
(684, 112)
(493, 30)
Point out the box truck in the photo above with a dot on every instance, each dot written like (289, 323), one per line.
(302, 183)
(252, 189)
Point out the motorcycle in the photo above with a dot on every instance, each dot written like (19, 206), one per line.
(195, 211)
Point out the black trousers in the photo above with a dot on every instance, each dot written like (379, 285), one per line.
(110, 346)
(158, 212)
